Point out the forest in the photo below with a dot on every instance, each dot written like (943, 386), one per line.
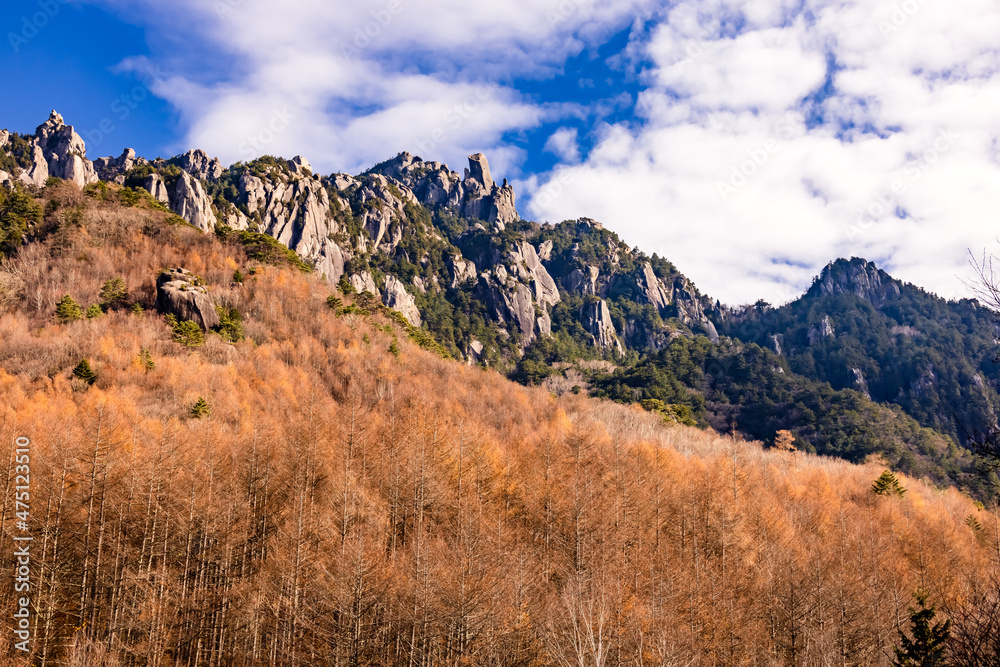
(313, 487)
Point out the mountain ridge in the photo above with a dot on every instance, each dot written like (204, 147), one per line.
(452, 255)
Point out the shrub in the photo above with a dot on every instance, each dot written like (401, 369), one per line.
(68, 310)
(94, 311)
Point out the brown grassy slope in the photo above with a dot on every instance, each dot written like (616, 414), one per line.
(342, 506)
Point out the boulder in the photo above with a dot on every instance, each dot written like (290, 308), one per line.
(397, 298)
(178, 294)
(4, 136)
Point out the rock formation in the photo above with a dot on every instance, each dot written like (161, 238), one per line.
(60, 152)
(397, 298)
(178, 293)
(198, 164)
(859, 277)
(821, 331)
(596, 319)
(190, 202)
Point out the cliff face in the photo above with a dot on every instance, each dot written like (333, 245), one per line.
(413, 232)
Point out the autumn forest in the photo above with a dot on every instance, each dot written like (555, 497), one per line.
(317, 489)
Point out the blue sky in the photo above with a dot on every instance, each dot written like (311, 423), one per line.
(749, 141)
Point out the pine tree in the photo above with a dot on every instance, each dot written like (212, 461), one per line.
(200, 408)
(887, 485)
(927, 647)
(94, 311)
(68, 310)
(85, 372)
(238, 277)
(114, 294)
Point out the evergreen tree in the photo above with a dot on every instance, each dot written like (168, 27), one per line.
(94, 311)
(200, 408)
(68, 310)
(18, 212)
(85, 372)
(185, 332)
(927, 647)
(114, 294)
(888, 485)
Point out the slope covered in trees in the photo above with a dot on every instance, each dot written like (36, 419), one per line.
(319, 490)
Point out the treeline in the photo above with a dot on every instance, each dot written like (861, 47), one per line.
(323, 492)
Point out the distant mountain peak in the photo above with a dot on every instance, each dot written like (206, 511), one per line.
(855, 276)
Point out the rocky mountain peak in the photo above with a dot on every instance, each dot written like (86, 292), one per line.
(479, 170)
(855, 276)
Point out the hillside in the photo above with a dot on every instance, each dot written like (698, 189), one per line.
(570, 306)
(304, 484)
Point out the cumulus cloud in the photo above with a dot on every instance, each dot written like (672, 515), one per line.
(778, 136)
(358, 82)
(769, 136)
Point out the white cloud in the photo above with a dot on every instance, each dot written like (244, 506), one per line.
(912, 108)
(739, 164)
(365, 80)
(563, 143)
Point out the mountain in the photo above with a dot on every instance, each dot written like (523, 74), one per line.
(231, 461)
(861, 365)
(859, 328)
